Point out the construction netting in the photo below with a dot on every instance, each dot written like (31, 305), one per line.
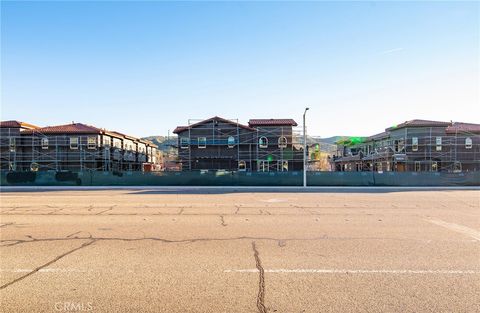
(223, 178)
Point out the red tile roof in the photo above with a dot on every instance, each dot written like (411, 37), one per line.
(16, 124)
(419, 123)
(180, 129)
(75, 128)
(272, 122)
(463, 127)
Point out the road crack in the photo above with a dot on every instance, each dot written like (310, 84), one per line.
(14, 242)
(86, 244)
(261, 280)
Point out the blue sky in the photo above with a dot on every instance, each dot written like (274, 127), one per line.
(145, 67)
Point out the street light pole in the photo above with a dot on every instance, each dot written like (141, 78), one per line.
(304, 150)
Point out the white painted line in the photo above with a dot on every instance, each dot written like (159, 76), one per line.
(346, 271)
(274, 200)
(458, 228)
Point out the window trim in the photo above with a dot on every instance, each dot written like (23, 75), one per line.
(468, 143)
(419, 169)
(414, 143)
(91, 143)
(44, 143)
(229, 143)
(240, 163)
(184, 143)
(72, 145)
(438, 143)
(264, 145)
(264, 166)
(457, 167)
(203, 145)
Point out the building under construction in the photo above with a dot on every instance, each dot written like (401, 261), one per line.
(220, 144)
(415, 146)
(72, 147)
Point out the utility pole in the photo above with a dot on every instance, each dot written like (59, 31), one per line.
(304, 150)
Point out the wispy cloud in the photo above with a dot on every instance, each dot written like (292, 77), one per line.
(390, 51)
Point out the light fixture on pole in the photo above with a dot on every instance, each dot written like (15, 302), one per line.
(304, 150)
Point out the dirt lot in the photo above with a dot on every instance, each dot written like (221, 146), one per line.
(240, 250)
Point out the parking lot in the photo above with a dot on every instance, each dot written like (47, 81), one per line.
(240, 250)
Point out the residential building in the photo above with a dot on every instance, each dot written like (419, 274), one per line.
(73, 147)
(221, 144)
(416, 145)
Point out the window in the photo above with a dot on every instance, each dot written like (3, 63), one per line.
(457, 167)
(263, 142)
(242, 166)
(414, 143)
(401, 145)
(74, 143)
(388, 167)
(202, 142)
(231, 142)
(44, 143)
(379, 167)
(91, 143)
(468, 143)
(284, 166)
(434, 166)
(184, 142)
(106, 141)
(34, 167)
(282, 142)
(12, 166)
(12, 144)
(417, 166)
(438, 141)
(263, 166)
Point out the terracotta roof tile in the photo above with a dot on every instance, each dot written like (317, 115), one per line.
(272, 122)
(16, 124)
(463, 127)
(419, 123)
(75, 128)
(179, 129)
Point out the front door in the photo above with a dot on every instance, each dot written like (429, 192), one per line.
(400, 167)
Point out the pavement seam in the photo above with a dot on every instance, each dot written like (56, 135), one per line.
(47, 264)
(261, 281)
(192, 240)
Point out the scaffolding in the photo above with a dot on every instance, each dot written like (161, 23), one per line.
(412, 149)
(225, 144)
(36, 151)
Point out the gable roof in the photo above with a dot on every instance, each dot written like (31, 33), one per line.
(16, 124)
(272, 122)
(463, 127)
(378, 136)
(180, 129)
(74, 128)
(419, 123)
